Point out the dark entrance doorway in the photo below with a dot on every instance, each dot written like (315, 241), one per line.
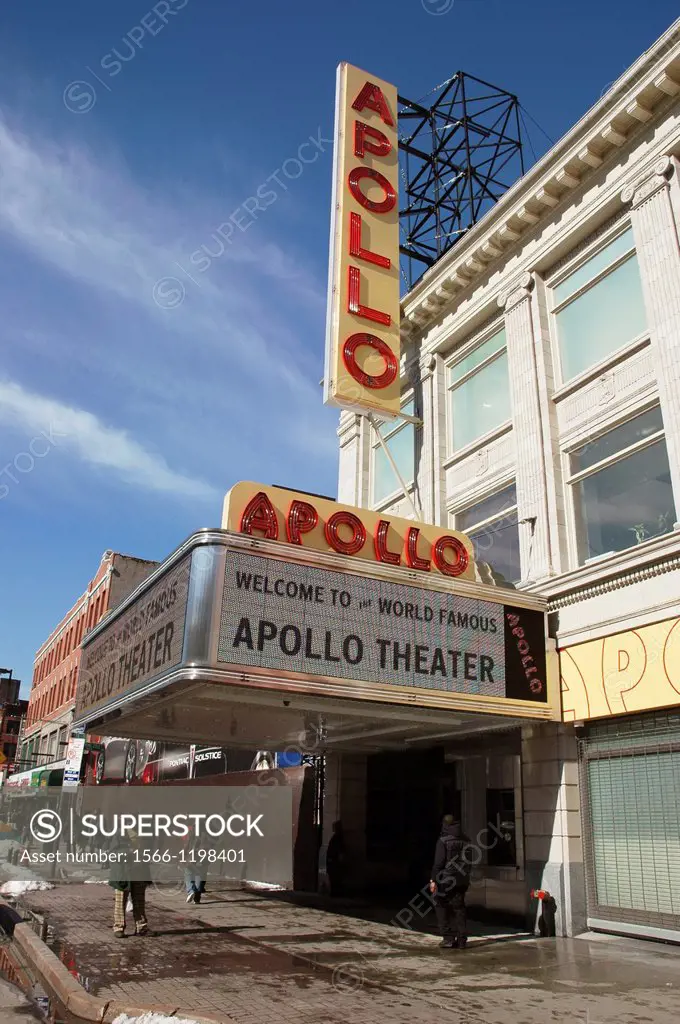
(406, 796)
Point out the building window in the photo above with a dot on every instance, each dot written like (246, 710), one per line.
(12, 727)
(492, 527)
(399, 436)
(599, 308)
(479, 391)
(621, 486)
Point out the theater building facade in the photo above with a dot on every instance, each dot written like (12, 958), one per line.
(542, 357)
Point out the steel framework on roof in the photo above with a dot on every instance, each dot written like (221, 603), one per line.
(457, 157)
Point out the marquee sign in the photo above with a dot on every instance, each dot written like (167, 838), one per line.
(298, 618)
(143, 641)
(235, 608)
(362, 329)
(274, 513)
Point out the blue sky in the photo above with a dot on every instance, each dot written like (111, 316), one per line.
(140, 378)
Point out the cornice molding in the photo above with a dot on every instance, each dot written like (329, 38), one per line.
(615, 583)
(651, 558)
(608, 126)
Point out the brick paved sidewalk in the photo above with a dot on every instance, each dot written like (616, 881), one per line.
(252, 957)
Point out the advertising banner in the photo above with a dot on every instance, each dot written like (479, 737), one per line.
(298, 618)
(637, 670)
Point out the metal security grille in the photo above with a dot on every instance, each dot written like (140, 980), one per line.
(630, 785)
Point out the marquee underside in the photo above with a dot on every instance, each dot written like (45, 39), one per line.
(196, 708)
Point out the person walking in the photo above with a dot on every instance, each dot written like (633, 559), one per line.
(336, 860)
(194, 871)
(125, 888)
(449, 882)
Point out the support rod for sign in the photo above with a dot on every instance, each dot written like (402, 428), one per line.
(390, 458)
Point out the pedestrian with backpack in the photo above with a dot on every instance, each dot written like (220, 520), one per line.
(449, 882)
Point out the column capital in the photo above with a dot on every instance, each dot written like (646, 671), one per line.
(636, 192)
(519, 291)
(427, 366)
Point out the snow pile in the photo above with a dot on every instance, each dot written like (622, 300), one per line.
(18, 888)
(265, 885)
(152, 1018)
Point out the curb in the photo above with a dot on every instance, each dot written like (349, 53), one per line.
(72, 995)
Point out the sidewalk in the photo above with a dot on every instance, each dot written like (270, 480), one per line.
(250, 958)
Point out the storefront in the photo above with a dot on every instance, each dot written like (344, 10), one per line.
(37, 778)
(624, 691)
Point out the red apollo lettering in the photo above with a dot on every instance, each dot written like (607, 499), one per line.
(372, 96)
(260, 515)
(354, 301)
(462, 559)
(370, 140)
(302, 518)
(413, 560)
(357, 250)
(381, 551)
(332, 533)
(367, 380)
(357, 175)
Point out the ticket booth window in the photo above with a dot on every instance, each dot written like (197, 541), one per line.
(500, 812)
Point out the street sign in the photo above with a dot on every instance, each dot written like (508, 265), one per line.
(74, 758)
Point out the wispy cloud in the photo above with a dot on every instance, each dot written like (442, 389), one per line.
(237, 344)
(96, 443)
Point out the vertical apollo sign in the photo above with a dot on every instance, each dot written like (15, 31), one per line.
(362, 328)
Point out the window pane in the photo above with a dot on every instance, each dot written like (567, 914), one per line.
(617, 439)
(625, 504)
(401, 447)
(594, 266)
(494, 344)
(483, 510)
(607, 316)
(481, 403)
(498, 544)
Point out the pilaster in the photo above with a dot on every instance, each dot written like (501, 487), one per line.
(552, 822)
(354, 459)
(426, 454)
(528, 431)
(658, 253)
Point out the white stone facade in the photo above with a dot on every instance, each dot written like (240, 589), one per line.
(618, 168)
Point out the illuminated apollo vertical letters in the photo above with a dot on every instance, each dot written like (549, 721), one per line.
(363, 348)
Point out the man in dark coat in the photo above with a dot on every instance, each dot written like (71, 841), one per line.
(449, 882)
(335, 860)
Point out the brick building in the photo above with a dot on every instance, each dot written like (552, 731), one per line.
(12, 714)
(55, 670)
